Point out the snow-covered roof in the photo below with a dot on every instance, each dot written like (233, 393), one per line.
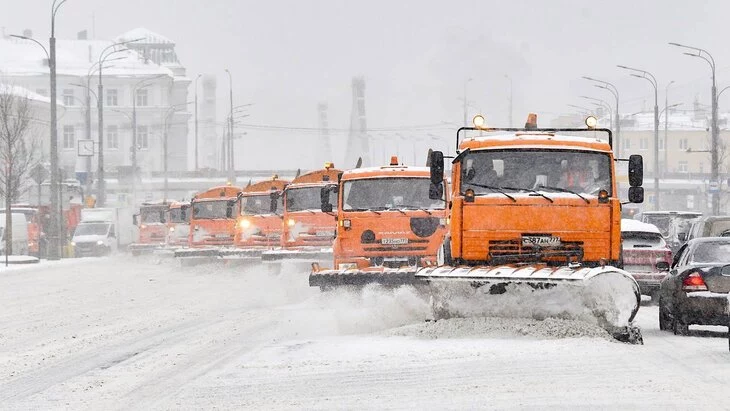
(20, 57)
(638, 226)
(148, 36)
(24, 92)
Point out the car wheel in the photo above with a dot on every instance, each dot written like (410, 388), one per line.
(679, 327)
(665, 320)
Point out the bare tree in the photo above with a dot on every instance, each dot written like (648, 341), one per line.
(18, 152)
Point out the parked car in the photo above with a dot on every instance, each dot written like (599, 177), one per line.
(710, 226)
(697, 287)
(646, 254)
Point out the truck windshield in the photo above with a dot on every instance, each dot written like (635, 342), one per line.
(388, 194)
(176, 216)
(307, 198)
(260, 204)
(91, 229)
(581, 172)
(209, 210)
(152, 215)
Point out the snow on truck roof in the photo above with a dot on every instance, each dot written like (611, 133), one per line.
(387, 171)
(531, 139)
(628, 225)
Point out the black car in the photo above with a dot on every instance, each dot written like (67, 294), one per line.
(696, 289)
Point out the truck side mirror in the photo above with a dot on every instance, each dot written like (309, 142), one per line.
(436, 165)
(162, 217)
(274, 202)
(135, 219)
(229, 208)
(636, 171)
(636, 194)
(324, 197)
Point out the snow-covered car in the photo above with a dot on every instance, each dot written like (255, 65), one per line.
(646, 254)
(696, 289)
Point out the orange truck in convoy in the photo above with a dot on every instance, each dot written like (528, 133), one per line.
(178, 224)
(152, 223)
(259, 222)
(307, 232)
(537, 208)
(213, 221)
(386, 222)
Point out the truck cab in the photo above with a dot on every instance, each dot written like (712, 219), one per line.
(260, 214)
(385, 218)
(213, 221)
(305, 225)
(151, 221)
(178, 224)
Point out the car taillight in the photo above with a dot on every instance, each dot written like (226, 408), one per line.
(694, 282)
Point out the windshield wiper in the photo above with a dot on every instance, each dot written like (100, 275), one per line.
(412, 207)
(563, 190)
(532, 191)
(366, 209)
(494, 188)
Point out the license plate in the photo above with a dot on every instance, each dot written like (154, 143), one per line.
(324, 234)
(222, 236)
(540, 241)
(394, 241)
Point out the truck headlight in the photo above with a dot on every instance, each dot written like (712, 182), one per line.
(99, 242)
(244, 224)
(291, 222)
(73, 243)
(172, 229)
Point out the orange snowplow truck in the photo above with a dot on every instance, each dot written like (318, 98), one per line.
(260, 218)
(385, 220)
(151, 221)
(178, 224)
(308, 232)
(213, 222)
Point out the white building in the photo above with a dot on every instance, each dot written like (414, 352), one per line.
(146, 79)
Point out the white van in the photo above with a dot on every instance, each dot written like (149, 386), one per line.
(20, 234)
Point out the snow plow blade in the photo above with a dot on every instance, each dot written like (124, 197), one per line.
(392, 277)
(140, 249)
(608, 294)
(324, 254)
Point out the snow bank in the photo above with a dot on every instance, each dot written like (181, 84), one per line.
(550, 328)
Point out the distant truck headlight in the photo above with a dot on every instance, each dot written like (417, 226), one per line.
(99, 242)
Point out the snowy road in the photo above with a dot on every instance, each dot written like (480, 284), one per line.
(119, 333)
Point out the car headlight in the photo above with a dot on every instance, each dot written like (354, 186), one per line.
(244, 224)
(99, 242)
(291, 222)
(73, 243)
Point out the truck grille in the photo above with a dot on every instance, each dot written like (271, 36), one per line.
(513, 251)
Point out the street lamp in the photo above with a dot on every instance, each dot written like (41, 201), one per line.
(705, 55)
(652, 80)
(613, 90)
(602, 104)
(231, 171)
(585, 110)
(170, 110)
(103, 56)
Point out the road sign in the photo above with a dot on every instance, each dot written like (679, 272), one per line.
(39, 173)
(85, 148)
(714, 187)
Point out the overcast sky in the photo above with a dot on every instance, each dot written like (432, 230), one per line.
(286, 56)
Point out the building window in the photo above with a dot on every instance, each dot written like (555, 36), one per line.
(112, 97)
(112, 137)
(69, 137)
(626, 143)
(143, 140)
(41, 91)
(682, 166)
(661, 144)
(683, 144)
(644, 143)
(142, 97)
(68, 97)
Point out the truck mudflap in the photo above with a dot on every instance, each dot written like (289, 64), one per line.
(607, 294)
(314, 254)
(392, 277)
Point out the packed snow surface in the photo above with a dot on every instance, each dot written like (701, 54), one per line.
(123, 333)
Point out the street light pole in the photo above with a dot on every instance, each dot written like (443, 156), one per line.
(613, 90)
(666, 124)
(171, 110)
(705, 55)
(231, 171)
(603, 104)
(466, 104)
(651, 79)
(510, 98)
